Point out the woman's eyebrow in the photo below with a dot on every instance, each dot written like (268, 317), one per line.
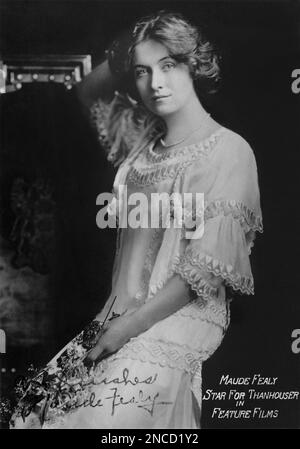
(162, 59)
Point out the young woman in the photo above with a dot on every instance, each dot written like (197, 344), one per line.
(138, 365)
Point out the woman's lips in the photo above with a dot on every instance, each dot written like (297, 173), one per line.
(160, 98)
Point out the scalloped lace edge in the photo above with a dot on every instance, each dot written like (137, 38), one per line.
(189, 268)
(160, 352)
(198, 284)
(208, 311)
(246, 216)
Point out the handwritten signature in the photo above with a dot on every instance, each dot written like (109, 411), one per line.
(67, 393)
(142, 400)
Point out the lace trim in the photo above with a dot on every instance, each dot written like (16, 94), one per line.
(99, 112)
(239, 211)
(162, 353)
(119, 125)
(195, 279)
(152, 175)
(193, 262)
(189, 268)
(122, 123)
(146, 178)
(246, 217)
(195, 150)
(201, 309)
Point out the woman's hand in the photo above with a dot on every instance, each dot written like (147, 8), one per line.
(113, 336)
(117, 332)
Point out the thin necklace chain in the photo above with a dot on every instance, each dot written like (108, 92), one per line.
(163, 143)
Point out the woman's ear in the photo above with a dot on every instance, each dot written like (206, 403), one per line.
(197, 72)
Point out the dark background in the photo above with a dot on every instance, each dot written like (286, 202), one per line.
(44, 133)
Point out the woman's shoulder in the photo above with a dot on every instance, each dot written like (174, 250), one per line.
(221, 145)
(233, 146)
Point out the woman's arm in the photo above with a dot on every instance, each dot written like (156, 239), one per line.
(99, 83)
(118, 331)
(168, 300)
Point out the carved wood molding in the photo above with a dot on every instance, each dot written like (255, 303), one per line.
(16, 70)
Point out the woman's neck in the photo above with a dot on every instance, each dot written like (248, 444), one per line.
(180, 124)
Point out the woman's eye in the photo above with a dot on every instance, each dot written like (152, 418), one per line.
(140, 72)
(168, 65)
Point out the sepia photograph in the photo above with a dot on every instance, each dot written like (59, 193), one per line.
(149, 219)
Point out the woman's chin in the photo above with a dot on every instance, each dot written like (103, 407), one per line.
(162, 110)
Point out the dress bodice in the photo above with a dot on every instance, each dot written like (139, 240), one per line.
(223, 169)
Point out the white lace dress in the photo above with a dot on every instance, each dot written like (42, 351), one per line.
(154, 381)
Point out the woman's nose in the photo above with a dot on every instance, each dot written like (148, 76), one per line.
(157, 79)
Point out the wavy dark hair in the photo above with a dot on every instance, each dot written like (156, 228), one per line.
(185, 43)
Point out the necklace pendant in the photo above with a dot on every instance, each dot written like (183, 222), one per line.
(165, 145)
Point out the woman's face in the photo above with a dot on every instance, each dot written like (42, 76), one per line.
(165, 85)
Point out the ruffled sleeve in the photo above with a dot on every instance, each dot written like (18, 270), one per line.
(231, 217)
(121, 125)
